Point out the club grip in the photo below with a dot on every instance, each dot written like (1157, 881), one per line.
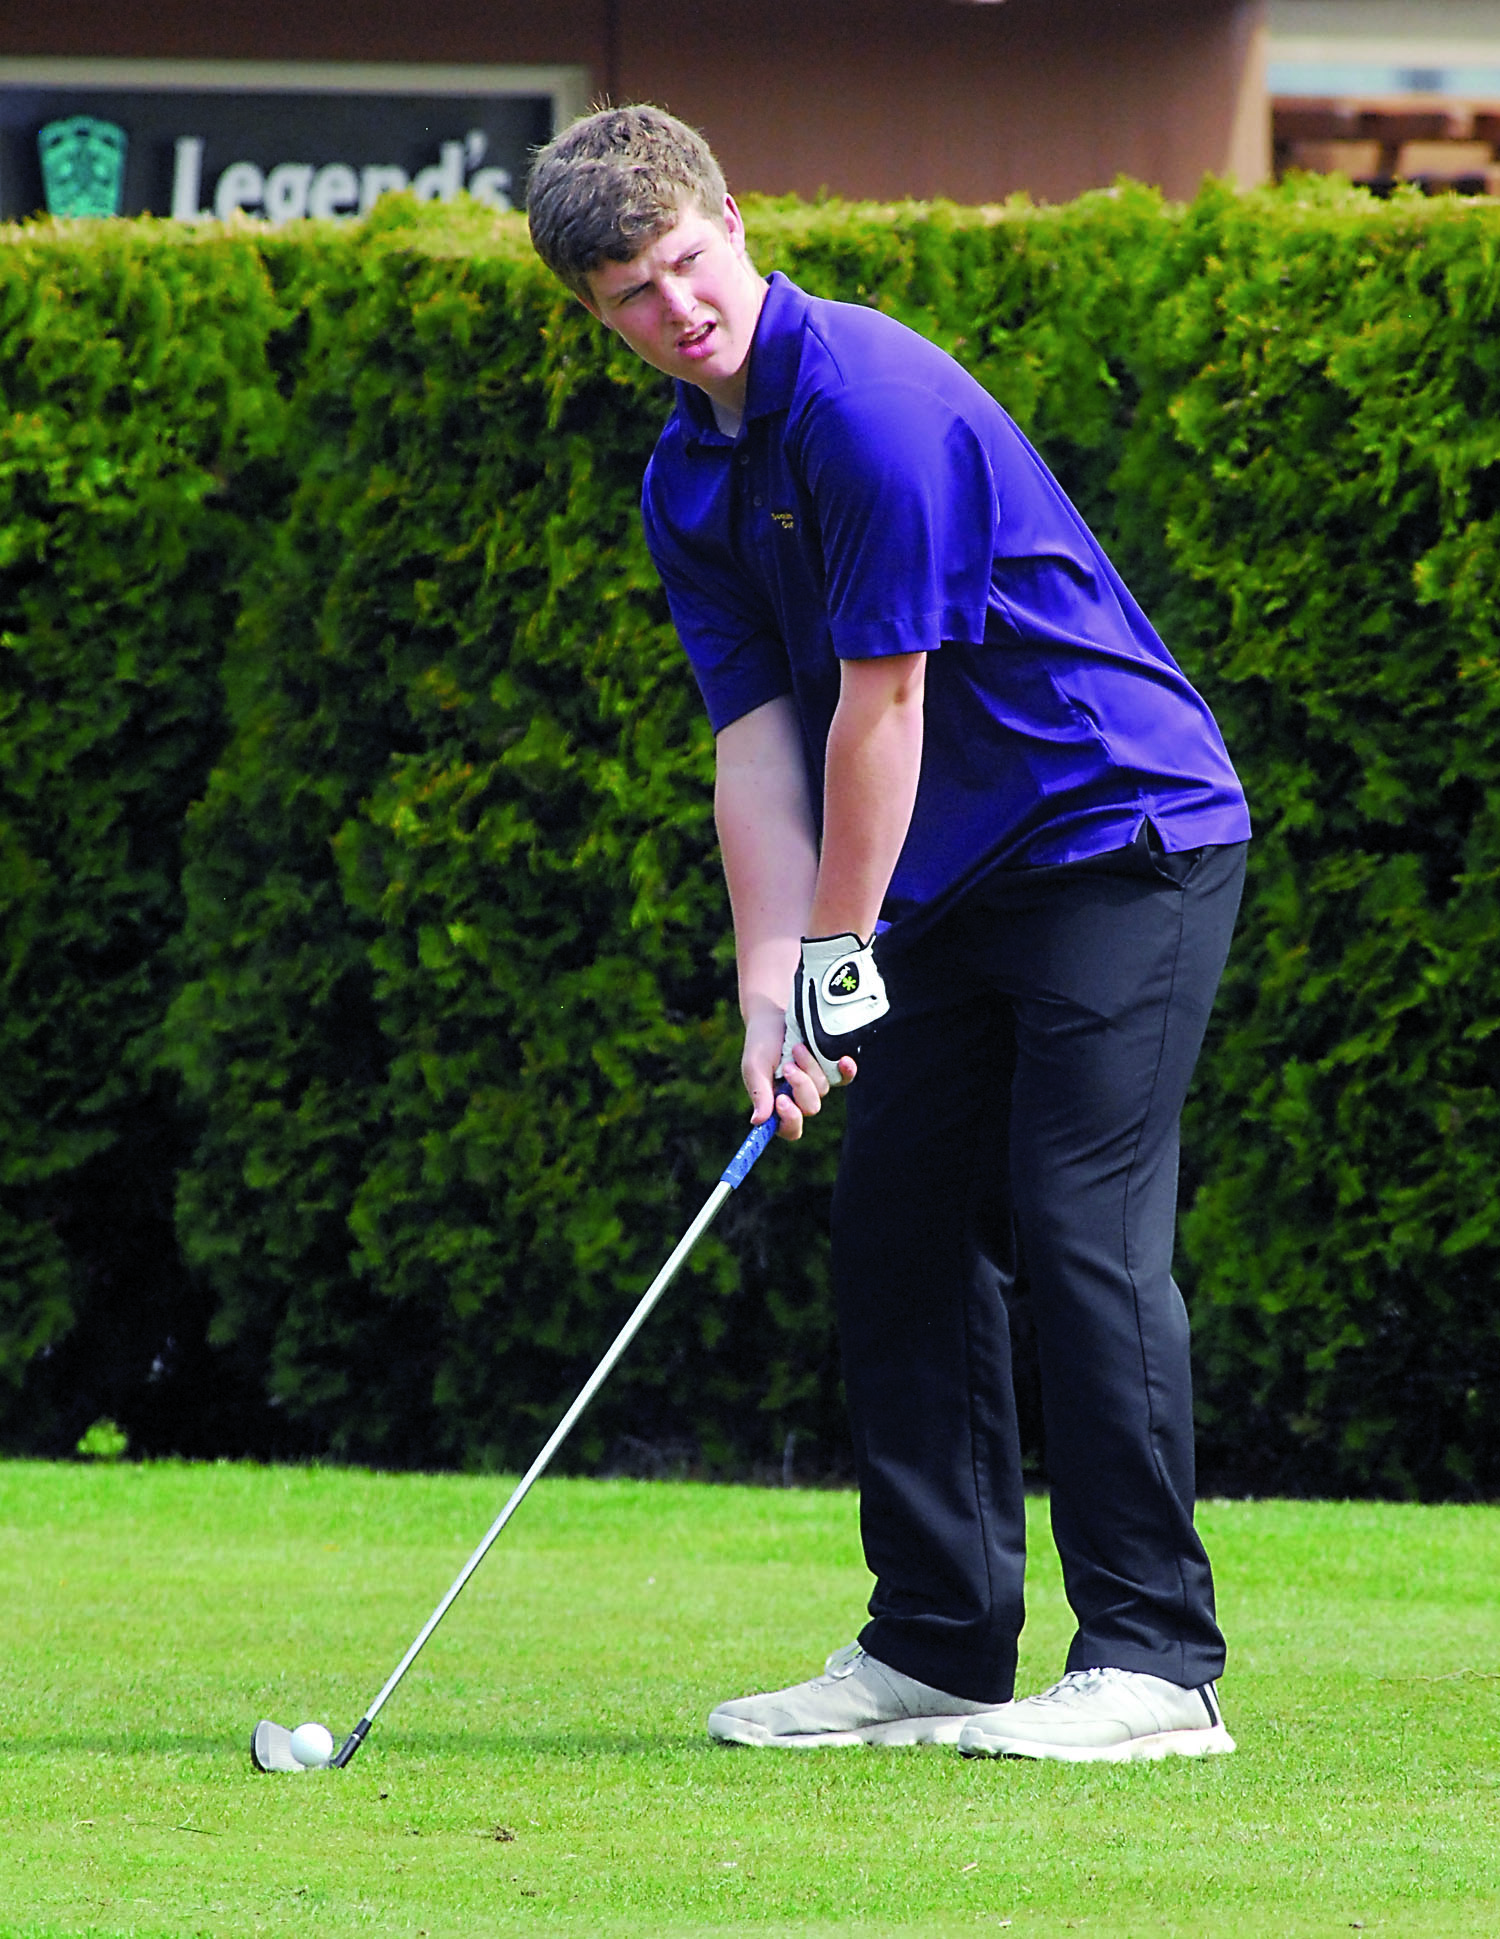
(737, 1170)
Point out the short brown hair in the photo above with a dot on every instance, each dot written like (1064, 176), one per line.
(608, 186)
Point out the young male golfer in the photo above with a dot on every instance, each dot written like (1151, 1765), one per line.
(937, 708)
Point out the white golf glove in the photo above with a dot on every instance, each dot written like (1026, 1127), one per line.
(837, 997)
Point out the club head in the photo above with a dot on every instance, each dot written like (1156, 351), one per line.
(271, 1748)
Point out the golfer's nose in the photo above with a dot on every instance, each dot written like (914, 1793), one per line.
(679, 300)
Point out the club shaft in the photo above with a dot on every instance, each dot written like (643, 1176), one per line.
(734, 1175)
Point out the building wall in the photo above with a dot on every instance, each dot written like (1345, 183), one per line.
(865, 98)
(884, 99)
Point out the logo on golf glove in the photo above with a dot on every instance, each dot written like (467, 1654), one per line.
(837, 998)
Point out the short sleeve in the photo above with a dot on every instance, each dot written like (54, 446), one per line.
(728, 634)
(907, 512)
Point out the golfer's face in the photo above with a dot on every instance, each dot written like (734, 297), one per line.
(688, 303)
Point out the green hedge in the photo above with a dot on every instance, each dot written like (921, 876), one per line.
(431, 1033)
(1318, 446)
(139, 433)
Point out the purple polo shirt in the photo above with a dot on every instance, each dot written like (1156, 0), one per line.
(878, 500)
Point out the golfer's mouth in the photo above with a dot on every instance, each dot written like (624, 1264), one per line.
(696, 341)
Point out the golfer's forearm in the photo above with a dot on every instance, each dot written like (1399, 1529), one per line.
(769, 847)
(874, 760)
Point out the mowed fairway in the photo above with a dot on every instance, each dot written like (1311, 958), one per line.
(544, 1767)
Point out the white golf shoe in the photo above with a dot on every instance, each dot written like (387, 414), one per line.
(1103, 1717)
(855, 1701)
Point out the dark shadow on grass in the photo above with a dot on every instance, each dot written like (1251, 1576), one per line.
(451, 1744)
(560, 1742)
(129, 1743)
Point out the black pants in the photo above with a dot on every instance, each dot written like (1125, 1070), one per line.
(1023, 1096)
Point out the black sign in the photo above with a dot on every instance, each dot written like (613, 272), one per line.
(95, 150)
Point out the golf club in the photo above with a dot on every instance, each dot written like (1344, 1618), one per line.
(275, 1748)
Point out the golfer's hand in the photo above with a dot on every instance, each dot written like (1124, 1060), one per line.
(762, 1065)
(838, 997)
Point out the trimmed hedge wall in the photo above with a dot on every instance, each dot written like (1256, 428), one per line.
(138, 459)
(357, 863)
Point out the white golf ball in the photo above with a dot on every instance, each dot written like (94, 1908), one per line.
(312, 1746)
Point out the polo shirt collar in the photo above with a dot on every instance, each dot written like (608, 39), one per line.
(775, 358)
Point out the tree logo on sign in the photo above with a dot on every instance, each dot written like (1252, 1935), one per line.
(83, 166)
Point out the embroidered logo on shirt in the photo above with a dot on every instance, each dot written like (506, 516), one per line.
(786, 520)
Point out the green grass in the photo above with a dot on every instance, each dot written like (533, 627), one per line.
(543, 1768)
